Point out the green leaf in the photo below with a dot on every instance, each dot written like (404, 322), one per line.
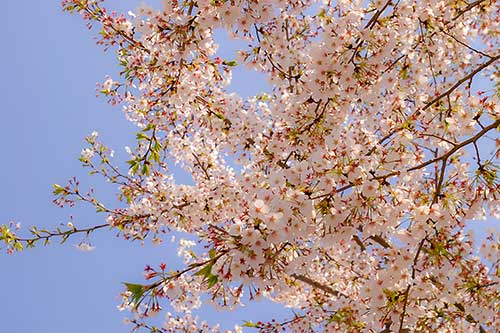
(18, 246)
(337, 317)
(134, 165)
(249, 324)
(58, 189)
(141, 136)
(231, 63)
(137, 291)
(5, 235)
(65, 238)
(212, 280)
(206, 271)
(155, 152)
(145, 169)
(212, 253)
(149, 127)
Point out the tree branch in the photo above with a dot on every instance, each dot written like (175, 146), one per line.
(317, 285)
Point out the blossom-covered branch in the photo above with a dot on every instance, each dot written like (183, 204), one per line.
(347, 191)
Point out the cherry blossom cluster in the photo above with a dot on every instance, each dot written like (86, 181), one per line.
(346, 192)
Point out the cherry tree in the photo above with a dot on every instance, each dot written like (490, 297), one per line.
(348, 192)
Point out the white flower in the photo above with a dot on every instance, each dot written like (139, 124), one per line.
(370, 188)
(261, 207)
(157, 241)
(108, 84)
(87, 154)
(85, 246)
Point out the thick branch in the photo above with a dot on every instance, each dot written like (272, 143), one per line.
(443, 157)
(317, 285)
(437, 98)
(462, 80)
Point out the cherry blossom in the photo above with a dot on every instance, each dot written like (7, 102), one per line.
(345, 192)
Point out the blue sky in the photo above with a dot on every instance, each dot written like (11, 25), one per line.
(50, 65)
